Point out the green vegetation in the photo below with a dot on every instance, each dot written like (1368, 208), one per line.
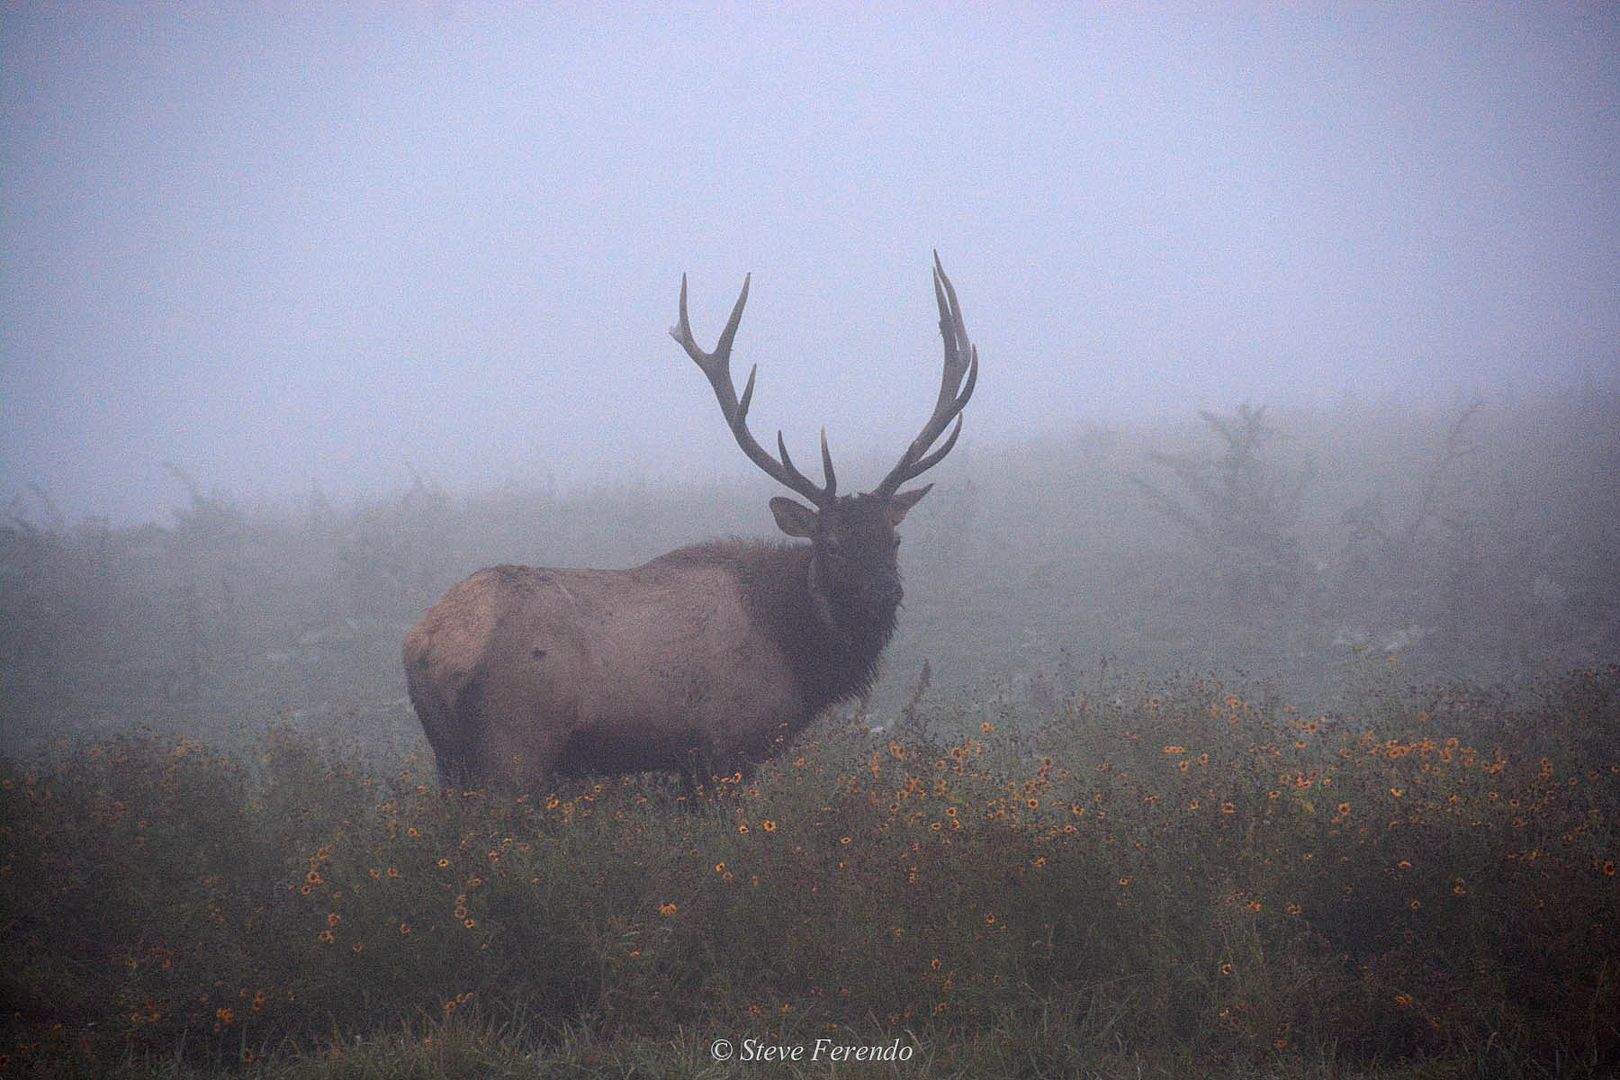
(222, 849)
(1186, 880)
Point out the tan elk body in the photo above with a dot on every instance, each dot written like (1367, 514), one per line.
(708, 658)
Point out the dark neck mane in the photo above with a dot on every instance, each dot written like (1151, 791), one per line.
(832, 663)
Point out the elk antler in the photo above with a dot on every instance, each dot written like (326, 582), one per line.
(717, 366)
(961, 356)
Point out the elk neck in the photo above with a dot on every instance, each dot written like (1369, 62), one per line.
(833, 649)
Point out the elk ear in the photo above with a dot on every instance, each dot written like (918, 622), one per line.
(793, 518)
(900, 504)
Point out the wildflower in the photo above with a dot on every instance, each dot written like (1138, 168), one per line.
(1226, 969)
(1228, 808)
(333, 918)
(768, 825)
(1175, 749)
(719, 867)
(357, 948)
(469, 922)
(443, 863)
(1403, 1000)
(393, 871)
(934, 963)
(668, 909)
(1125, 881)
(986, 727)
(845, 839)
(990, 918)
(326, 937)
(404, 929)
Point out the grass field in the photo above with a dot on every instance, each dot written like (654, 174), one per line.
(1185, 880)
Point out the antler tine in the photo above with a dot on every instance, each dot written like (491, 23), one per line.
(961, 358)
(716, 366)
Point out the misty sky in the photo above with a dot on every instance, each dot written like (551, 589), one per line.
(284, 245)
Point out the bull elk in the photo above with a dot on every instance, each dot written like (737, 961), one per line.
(710, 657)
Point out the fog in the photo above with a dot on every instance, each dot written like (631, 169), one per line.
(296, 248)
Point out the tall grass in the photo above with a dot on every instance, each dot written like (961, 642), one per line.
(1184, 878)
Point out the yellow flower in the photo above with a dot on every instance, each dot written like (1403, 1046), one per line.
(768, 825)
(668, 909)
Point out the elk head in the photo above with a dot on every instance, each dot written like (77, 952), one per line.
(854, 574)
